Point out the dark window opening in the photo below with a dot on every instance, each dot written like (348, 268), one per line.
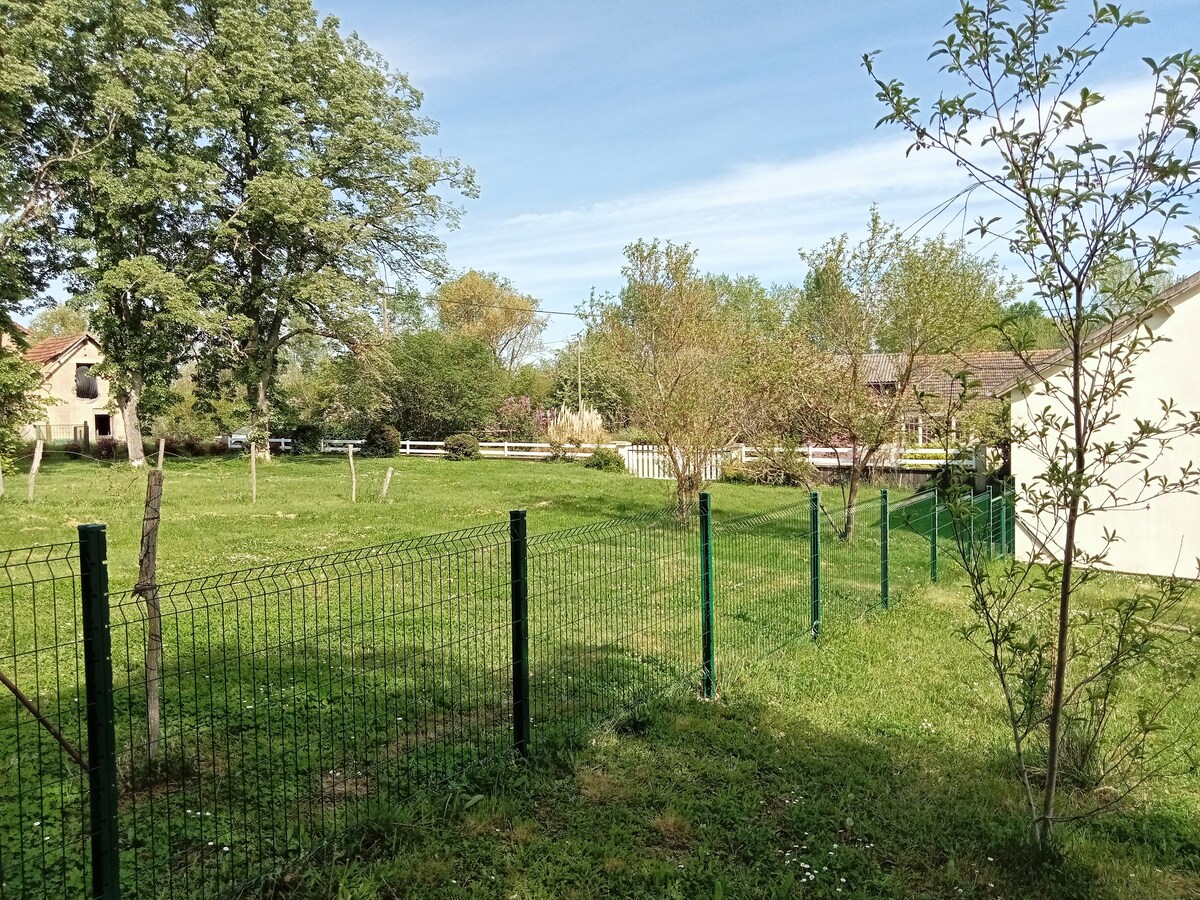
(85, 382)
(103, 426)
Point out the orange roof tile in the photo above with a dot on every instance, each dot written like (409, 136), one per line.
(52, 348)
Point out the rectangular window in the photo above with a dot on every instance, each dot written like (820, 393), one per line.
(103, 426)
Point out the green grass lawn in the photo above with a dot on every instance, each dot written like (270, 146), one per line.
(877, 756)
(210, 525)
(874, 765)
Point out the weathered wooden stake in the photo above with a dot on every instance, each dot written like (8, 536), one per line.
(387, 483)
(353, 475)
(1, 479)
(162, 448)
(147, 589)
(254, 473)
(33, 469)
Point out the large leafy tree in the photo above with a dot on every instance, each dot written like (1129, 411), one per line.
(323, 181)
(894, 294)
(1019, 119)
(45, 50)
(486, 306)
(142, 201)
(675, 342)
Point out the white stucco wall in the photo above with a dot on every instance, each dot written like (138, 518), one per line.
(1159, 537)
(65, 408)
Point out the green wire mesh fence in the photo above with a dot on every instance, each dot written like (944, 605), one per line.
(44, 822)
(244, 721)
(291, 693)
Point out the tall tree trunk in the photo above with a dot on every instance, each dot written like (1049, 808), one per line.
(127, 399)
(851, 499)
(264, 350)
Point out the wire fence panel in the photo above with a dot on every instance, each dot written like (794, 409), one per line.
(44, 823)
(851, 561)
(263, 714)
(292, 695)
(614, 619)
(762, 571)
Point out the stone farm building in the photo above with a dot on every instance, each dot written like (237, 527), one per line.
(1157, 535)
(81, 406)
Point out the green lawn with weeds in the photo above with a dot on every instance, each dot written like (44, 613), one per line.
(873, 763)
(303, 506)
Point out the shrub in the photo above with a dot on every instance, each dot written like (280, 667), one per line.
(190, 446)
(219, 447)
(518, 420)
(462, 446)
(106, 448)
(306, 438)
(605, 459)
(786, 469)
(636, 436)
(382, 440)
(73, 448)
(558, 453)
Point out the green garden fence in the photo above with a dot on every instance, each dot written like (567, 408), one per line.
(205, 737)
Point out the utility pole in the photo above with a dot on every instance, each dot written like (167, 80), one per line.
(579, 376)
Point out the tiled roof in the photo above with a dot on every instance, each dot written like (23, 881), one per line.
(991, 369)
(52, 348)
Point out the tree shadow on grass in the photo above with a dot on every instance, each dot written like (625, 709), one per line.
(736, 798)
(268, 757)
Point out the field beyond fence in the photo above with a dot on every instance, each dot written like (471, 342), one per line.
(288, 699)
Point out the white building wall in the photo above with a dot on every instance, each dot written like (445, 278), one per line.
(1159, 537)
(65, 409)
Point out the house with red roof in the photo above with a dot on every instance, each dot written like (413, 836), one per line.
(81, 406)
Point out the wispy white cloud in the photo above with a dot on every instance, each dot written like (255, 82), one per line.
(753, 218)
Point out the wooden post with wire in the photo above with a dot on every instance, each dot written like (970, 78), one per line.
(253, 471)
(353, 475)
(33, 468)
(387, 483)
(147, 589)
(162, 449)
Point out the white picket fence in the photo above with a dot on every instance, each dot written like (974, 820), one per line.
(648, 461)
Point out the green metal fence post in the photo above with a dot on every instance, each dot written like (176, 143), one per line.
(884, 538)
(991, 523)
(1012, 521)
(101, 716)
(518, 547)
(814, 527)
(1003, 524)
(933, 541)
(706, 597)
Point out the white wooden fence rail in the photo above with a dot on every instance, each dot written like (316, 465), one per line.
(647, 461)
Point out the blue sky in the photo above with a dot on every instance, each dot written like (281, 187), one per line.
(747, 129)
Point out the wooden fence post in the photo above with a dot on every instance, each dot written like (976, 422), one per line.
(387, 483)
(162, 448)
(253, 472)
(33, 469)
(147, 589)
(353, 475)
